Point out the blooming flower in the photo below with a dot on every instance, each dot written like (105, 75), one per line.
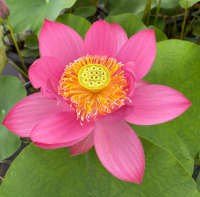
(88, 89)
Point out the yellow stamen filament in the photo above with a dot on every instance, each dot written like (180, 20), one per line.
(80, 88)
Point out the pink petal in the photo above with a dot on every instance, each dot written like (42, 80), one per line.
(100, 40)
(83, 146)
(120, 35)
(155, 104)
(141, 49)
(43, 69)
(29, 111)
(56, 95)
(61, 42)
(57, 145)
(142, 83)
(120, 150)
(117, 115)
(45, 92)
(129, 69)
(61, 128)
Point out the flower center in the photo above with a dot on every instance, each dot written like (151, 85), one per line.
(94, 86)
(94, 76)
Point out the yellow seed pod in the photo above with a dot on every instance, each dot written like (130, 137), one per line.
(94, 76)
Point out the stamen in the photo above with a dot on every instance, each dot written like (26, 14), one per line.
(94, 86)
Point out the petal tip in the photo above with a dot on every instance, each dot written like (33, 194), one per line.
(189, 104)
(46, 20)
(44, 27)
(114, 23)
(100, 21)
(71, 153)
(150, 30)
(135, 180)
(3, 123)
(139, 182)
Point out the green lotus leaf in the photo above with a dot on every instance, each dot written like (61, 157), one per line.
(77, 23)
(30, 15)
(42, 172)
(12, 91)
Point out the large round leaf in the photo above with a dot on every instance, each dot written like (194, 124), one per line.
(30, 15)
(190, 3)
(196, 31)
(128, 6)
(3, 58)
(79, 24)
(169, 3)
(85, 11)
(132, 24)
(40, 172)
(12, 91)
(160, 36)
(177, 65)
(170, 12)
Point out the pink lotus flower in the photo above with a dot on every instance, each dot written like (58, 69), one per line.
(88, 89)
